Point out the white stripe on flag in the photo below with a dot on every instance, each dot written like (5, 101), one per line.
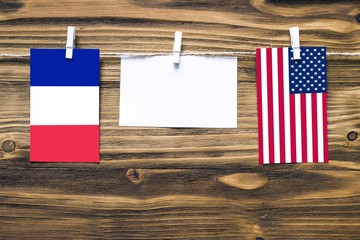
(287, 106)
(298, 128)
(320, 119)
(276, 105)
(64, 105)
(264, 105)
(309, 128)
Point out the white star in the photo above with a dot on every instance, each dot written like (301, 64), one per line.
(315, 50)
(319, 69)
(323, 73)
(311, 69)
(300, 89)
(304, 85)
(292, 89)
(308, 81)
(315, 73)
(307, 50)
(308, 73)
(308, 89)
(315, 65)
(292, 74)
(319, 77)
(316, 81)
(316, 89)
(304, 77)
(296, 78)
(323, 49)
(319, 61)
(307, 58)
(319, 54)
(300, 66)
(311, 61)
(296, 70)
(323, 80)
(323, 65)
(303, 62)
(292, 58)
(296, 85)
(312, 77)
(303, 54)
(322, 57)
(323, 88)
(319, 84)
(292, 66)
(300, 74)
(300, 81)
(312, 85)
(315, 58)
(311, 54)
(308, 65)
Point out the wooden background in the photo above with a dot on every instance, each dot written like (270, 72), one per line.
(179, 183)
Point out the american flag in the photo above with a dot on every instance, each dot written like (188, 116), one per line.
(291, 96)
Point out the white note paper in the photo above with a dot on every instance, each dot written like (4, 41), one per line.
(200, 92)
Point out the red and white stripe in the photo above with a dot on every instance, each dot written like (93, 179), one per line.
(292, 127)
(64, 124)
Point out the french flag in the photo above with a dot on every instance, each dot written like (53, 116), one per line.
(64, 105)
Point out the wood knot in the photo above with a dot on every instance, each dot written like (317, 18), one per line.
(352, 136)
(135, 176)
(8, 146)
(259, 238)
(245, 181)
(358, 18)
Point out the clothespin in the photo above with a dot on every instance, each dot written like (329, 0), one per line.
(177, 47)
(295, 42)
(70, 42)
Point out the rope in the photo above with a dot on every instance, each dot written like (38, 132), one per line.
(127, 54)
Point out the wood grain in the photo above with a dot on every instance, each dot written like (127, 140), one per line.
(166, 183)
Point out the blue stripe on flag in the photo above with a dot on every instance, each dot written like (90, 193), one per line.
(49, 67)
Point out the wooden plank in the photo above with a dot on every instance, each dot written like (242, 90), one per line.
(179, 183)
(143, 26)
(82, 201)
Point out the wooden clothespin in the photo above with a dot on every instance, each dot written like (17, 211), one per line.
(70, 42)
(177, 47)
(295, 42)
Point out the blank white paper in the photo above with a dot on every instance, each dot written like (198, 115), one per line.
(200, 92)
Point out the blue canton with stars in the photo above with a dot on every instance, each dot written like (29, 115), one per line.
(308, 75)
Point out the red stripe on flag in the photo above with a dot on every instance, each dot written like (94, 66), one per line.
(259, 95)
(314, 127)
(64, 143)
(292, 128)
(270, 104)
(281, 105)
(325, 128)
(303, 128)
